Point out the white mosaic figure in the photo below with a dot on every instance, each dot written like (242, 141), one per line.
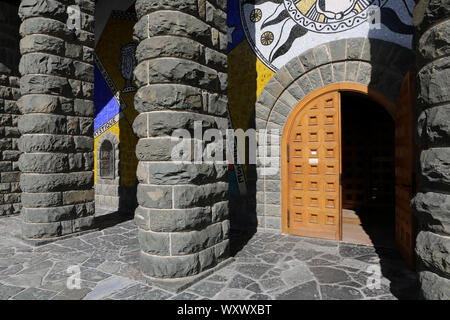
(335, 9)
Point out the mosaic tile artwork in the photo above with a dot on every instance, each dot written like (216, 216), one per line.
(115, 90)
(263, 35)
(280, 30)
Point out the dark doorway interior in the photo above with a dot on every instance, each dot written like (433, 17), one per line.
(368, 172)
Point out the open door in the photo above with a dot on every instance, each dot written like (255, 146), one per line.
(312, 172)
(405, 223)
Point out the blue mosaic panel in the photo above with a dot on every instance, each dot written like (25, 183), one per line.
(235, 30)
(106, 106)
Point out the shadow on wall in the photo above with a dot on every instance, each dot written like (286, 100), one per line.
(116, 161)
(382, 66)
(390, 66)
(115, 157)
(10, 193)
(368, 153)
(242, 96)
(116, 202)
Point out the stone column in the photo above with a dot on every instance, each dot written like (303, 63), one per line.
(181, 75)
(9, 113)
(432, 202)
(56, 124)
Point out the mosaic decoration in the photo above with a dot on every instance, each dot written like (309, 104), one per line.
(263, 35)
(108, 100)
(114, 90)
(127, 66)
(330, 16)
(279, 30)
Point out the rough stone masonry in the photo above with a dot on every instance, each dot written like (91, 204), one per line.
(9, 113)
(57, 88)
(182, 78)
(181, 74)
(432, 202)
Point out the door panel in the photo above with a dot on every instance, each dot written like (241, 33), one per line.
(405, 223)
(313, 143)
(312, 167)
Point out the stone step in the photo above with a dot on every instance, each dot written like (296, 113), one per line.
(350, 217)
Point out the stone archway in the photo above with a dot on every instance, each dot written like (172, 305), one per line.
(332, 93)
(350, 61)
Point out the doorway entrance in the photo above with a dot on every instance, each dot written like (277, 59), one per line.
(368, 172)
(347, 167)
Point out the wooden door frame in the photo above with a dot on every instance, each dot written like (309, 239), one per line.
(340, 87)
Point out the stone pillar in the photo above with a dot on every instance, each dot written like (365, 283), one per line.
(9, 113)
(432, 202)
(181, 75)
(56, 124)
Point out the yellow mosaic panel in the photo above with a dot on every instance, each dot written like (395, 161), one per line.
(114, 129)
(118, 33)
(247, 77)
(128, 161)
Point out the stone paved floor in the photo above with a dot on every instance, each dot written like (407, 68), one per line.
(269, 266)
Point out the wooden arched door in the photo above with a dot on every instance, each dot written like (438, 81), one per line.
(311, 165)
(311, 170)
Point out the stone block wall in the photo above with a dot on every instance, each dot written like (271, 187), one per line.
(432, 202)
(111, 195)
(107, 189)
(9, 113)
(182, 78)
(56, 124)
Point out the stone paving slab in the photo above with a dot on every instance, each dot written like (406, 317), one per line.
(269, 266)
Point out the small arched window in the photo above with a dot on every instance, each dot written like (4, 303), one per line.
(106, 160)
